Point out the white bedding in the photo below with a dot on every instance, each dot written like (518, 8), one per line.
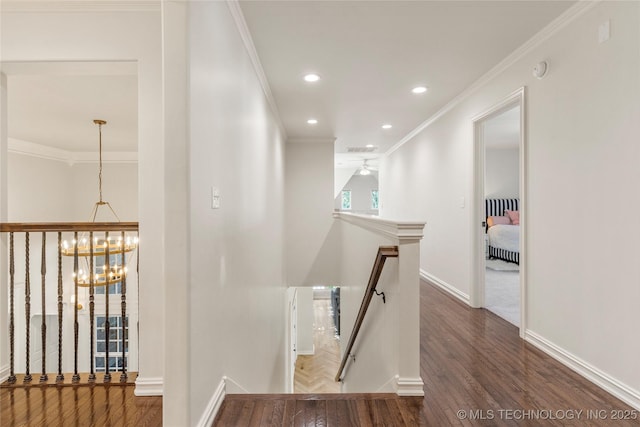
(505, 237)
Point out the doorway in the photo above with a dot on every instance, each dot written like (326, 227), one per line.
(499, 194)
(315, 339)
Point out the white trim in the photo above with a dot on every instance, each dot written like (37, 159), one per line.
(477, 300)
(590, 372)
(245, 34)
(26, 148)
(409, 386)
(210, 412)
(81, 6)
(313, 141)
(554, 27)
(450, 289)
(405, 231)
(149, 387)
(4, 373)
(230, 382)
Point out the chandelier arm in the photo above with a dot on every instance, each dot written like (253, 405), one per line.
(114, 212)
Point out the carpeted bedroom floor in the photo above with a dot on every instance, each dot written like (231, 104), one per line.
(502, 290)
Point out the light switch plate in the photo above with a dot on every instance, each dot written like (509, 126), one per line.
(604, 31)
(215, 198)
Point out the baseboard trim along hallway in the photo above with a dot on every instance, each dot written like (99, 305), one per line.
(593, 374)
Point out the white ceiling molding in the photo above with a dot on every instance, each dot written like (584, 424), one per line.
(556, 25)
(26, 148)
(69, 6)
(70, 68)
(245, 34)
(311, 141)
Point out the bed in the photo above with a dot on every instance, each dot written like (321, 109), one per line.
(503, 235)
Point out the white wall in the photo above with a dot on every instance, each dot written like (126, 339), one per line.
(387, 349)
(502, 173)
(132, 34)
(237, 311)
(310, 235)
(304, 324)
(582, 154)
(360, 186)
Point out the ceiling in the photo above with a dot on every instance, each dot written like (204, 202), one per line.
(369, 55)
(54, 104)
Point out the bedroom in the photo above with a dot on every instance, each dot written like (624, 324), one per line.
(501, 136)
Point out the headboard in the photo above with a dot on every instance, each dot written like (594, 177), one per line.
(496, 207)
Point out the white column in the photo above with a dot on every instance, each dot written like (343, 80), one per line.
(176, 402)
(409, 381)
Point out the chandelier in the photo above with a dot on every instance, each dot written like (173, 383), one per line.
(90, 247)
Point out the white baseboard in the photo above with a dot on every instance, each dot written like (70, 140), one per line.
(593, 374)
(446, 287)
(4, 373)
(149, 387)
(409, 386)
(233, 387)
(388, 387)
(214, 404)
(307, 352)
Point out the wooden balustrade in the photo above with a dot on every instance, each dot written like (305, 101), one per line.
(101, 243)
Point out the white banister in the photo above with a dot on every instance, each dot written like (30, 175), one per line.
(386, 355)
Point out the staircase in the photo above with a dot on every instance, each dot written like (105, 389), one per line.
(292, 410)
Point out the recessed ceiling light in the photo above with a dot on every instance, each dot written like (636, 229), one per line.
(312, 121)
(419, 89)
(387, 126)
(311, 78)
(369, 145)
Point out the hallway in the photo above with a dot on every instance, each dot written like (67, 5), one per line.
(316, 373)
(476, 371)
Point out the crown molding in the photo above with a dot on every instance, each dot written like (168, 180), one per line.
(551, 29)
(26, 148)
(79, 6)
(311, 141)
(245, 34)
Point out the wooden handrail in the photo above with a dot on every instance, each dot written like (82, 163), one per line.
(384, 252)
(7, 227)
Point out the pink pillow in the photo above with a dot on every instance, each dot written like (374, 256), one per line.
(495, 220)
(514, 216)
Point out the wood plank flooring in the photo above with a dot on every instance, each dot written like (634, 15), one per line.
(473, 360)
(294, 410)
(316, 373)
(477, 372)
(78, 406)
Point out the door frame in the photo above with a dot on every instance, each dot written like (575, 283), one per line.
(478, 216)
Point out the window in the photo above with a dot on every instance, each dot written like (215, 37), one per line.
(114, 260)
(346, 200)
(374, 199)
(116, 332)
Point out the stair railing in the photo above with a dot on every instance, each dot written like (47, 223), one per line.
(384, 252)
(99, 242)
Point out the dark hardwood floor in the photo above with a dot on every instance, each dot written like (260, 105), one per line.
(319, 410)
(474, 365)
(477, 372)
(78, 406)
